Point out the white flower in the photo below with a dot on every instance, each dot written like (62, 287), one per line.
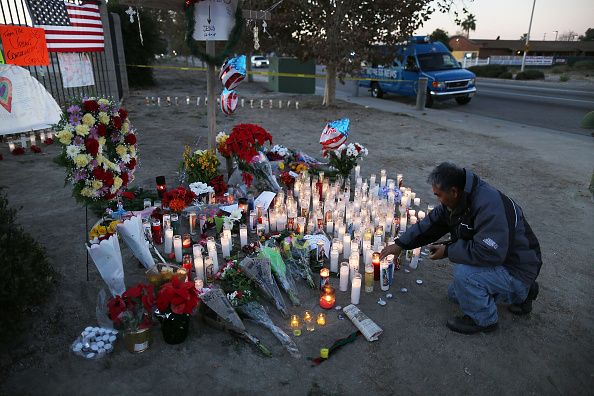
(280, 150)
(342, 147)
(69, 127)
(200, 188)
(126, 158)
(72, 151)
(199, 152)
(351, 151)
(232, 218)
(221, 136)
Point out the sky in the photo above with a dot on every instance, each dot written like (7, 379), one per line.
(510, 18)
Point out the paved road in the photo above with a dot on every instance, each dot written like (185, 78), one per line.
(547, 105)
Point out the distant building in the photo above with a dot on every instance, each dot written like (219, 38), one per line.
(471, 48)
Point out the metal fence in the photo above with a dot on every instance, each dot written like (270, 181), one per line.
(509, 61)
(16, 12)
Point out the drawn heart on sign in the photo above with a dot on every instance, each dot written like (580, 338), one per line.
(6, 93)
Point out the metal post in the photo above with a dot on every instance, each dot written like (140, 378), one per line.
(212, 101)
(422, 93)
(528, 37)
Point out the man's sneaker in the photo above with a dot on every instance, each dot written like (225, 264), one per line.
(525, 307)
(466, 325)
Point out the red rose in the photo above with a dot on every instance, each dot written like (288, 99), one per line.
(102, 130)
(109, 196)
(107, 178)
(90, 105)
(123, 113)
(125, 178)
(130, 139)
(117, 122)
(128, 195)
(248, 178)
(92, 146)
(132, 163)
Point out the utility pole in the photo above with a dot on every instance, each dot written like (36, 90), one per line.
(528, 37)
(544, 37)
(556, 34)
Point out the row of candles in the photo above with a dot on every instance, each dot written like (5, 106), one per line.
(32, 139)
(157, 101)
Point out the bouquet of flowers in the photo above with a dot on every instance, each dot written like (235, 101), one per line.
(245, 144)
(199, 165)
(177, 297)
(99, 149)
(278, 153)
(222, 146)
(281, 274)
(132, 311)
(132, 232)
(104, 249)
(344, 158)
(219, 185)
(259, 270)
(178, 198)
(299, 263)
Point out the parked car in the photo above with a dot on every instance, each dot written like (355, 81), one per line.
(259, 61)
(419, 57)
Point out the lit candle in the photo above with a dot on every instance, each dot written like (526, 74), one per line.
(168, 243)
(266, 224)
(328, 297)
(281, 222)
(295, 325)
(330, 227)
(187, 265)
(167, 222)
(324, 277)
(369, 278)
(186, 241)
(375, 260)
(412, 213)
(226, 246)
(344, 276)
(177, 248)
(334, 259)
(243, 238)
(197, 250)
(227, 234)
(413, 220)
(321, 320)
(192, 222)
(385, 278)
(421, 215)
(199, 267)
(356, 289)
(377, 238)
(33, 139)
(353, 266)
(357, 171)
(300, 228)
(309, 321)
(11, 146)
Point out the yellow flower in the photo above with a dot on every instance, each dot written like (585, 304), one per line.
(102, 230)
(65, 137)
(111, 228)
(281, 166)
(121, 150)
(117, 182)
(103, 102)
(82, 130)
(81, 160)
(88, 119)
(125, 127)
(132, 150)
(102, 141)
(87, 192)
(97, 184)
(100, 158)
(103, 118)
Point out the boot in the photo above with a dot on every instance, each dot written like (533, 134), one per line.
(525, 307)
(466, 325)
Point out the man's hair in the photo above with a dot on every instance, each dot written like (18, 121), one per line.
(447, 175)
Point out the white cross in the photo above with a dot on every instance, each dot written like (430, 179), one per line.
(131, 13)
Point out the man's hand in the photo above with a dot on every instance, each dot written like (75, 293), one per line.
(437, 251)
(391, 249)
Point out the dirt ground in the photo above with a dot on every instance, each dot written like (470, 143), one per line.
(549, 352)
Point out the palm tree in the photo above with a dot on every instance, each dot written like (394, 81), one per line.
(469, 24)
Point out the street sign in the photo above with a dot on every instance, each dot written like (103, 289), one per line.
(214, 20)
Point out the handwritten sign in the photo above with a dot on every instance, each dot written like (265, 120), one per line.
(264, 199)
(214, 19)
(24, 46)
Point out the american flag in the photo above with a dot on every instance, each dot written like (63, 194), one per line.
(69, 27)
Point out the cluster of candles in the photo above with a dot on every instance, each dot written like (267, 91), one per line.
(176, 101)
(309, 321)
(32, 139)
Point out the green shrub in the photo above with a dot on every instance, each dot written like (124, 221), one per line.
(506, 75)
(530, 75)
(560, 69)
(27, 277)
(584, 65)
(493, 71)
(564, 78)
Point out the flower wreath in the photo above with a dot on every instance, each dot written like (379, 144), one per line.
(99, 149)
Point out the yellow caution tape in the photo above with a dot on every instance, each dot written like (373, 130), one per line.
(275, 74)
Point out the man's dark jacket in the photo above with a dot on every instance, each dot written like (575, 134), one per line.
(487, 229)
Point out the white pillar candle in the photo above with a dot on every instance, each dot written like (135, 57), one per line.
(354, 247)
(212, 254)
(383, 180)
(417, 201)
(177, 248)
(272, 220)
(226, 246)
(371, 181)
(266, 225)
(346, 245)
(168, 241)
(412, 213)
(353, 266)
(384, 281)
(334, 259)
(356, 289)
(199, 267)
(414, 260)
(344, 276)
(243, 238)
(421, 215)
(330, 227)
(32, 137)
(413, 220)
(197, 250)
(368, 256)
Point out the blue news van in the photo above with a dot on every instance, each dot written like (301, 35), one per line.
(419, 57)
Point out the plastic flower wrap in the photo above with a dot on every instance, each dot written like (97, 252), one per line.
(260, 167)
(233, 72)
(199, 165)
(299, 264)
(281, 274)
(259, 270)
(277, 153)
(107, 257)
(132, 233)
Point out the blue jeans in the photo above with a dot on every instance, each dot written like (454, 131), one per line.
(478, 289)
